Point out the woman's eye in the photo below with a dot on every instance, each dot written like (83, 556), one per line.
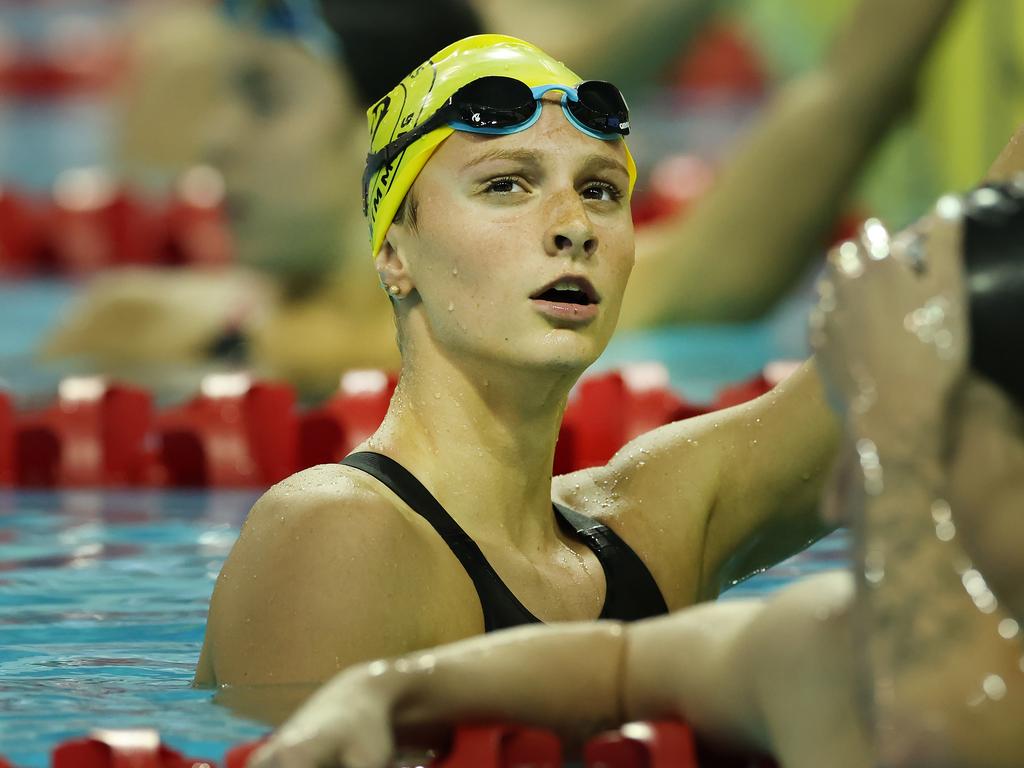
(602, 192)
(504, 186)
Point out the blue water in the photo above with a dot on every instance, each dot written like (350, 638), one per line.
(102, 605)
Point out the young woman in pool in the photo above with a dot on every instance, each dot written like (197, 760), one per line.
(918, 664)
(505, 244)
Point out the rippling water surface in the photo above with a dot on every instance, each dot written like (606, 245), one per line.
(102, 605)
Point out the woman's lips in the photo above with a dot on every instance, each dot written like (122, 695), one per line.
(566, 312)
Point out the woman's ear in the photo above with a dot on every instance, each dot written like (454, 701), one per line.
(392, 268)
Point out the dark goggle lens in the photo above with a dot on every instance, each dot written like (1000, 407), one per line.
(494, 102)
(600, 107)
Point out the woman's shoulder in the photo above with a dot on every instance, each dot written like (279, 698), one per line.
(330, 505)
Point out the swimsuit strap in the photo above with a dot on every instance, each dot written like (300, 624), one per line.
(500, 606)
(631, 592)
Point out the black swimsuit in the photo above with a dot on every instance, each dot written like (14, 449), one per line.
(631, 591)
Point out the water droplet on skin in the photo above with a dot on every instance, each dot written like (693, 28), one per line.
(455, 271)
(641, 463)
(753, 443)
(451, 306)
(437, 395)
(805, 476)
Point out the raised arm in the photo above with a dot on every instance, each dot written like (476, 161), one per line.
(739, 249)
(709, 500)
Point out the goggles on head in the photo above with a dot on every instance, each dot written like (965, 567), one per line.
(500, 105)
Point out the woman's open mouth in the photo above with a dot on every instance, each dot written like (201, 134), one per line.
(570, 298)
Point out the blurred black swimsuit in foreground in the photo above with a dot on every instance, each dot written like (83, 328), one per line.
(630, 594)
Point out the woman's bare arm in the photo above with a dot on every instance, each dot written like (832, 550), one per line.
(711, 499)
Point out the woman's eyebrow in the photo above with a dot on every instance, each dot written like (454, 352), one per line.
(597, 162)
(522, 156)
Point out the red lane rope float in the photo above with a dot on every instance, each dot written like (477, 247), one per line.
(94, 435)
(235, 433)
(7, 474)
(329, 432)
(610, 409)
(663, 744)
(21, 233)
(82, 63)
(122, 749)
(502, 746)
(91, 223)
(239, 432)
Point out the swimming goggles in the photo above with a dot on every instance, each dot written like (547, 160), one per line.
(500, 105)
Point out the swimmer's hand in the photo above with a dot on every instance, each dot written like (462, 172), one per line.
(889, 329)
(346, 723)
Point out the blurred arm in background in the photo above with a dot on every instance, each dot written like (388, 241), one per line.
(745, 243)
(627, 43)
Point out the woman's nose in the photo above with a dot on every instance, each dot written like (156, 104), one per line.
(571, 234)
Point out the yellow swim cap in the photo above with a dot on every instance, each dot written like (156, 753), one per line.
(423, 91)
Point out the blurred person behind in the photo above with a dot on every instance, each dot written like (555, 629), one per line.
(284, 138)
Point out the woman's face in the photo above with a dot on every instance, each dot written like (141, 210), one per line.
(281, 138)
(503, 220)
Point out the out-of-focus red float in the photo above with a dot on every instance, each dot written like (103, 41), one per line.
(7, 475)
(235, 433)
(502, 746)
(608, 410)
(93, 435)
(21, 233)
(122, 749)
(328, 433)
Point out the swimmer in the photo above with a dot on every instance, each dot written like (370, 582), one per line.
(912, 662)
(505, 255)
(729, 258)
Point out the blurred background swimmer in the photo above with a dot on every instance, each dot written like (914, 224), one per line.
(916, 659)
(283, 134)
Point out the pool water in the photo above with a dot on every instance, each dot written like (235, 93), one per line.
(103, 599)
(102, 606)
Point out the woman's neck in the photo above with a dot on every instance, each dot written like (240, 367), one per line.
(482, 444)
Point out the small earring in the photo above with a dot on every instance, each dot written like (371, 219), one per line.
(395, 291)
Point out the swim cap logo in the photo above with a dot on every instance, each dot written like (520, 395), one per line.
(380, 109)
